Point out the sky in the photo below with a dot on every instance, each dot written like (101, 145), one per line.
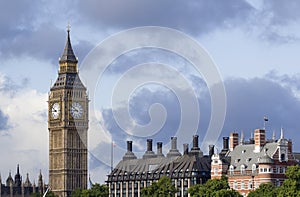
(253, 44)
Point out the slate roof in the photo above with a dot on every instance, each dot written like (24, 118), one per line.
(187, 165)
(244, 154)
(68, 81)
(68, 53)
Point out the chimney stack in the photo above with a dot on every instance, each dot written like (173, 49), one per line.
(173, 151)
(234, 140)
(185, 149)
(259, 139)
(149, 144)
(159, 149)
(195, 149)
(129, 146)
(211, 150)
(129, 154)
(225, 144)
(149, 153)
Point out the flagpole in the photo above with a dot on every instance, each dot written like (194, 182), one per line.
(265, 120)
(111, 156)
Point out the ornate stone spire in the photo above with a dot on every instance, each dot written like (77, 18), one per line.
(18, 180)
(27, 181)
(281, 133)
(68, 54)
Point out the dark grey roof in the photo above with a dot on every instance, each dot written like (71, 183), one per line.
(68, 54)
(244, 154)
(68, 81)
(188, 165)
(265, 160)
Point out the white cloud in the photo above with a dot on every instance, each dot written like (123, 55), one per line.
(27, 134)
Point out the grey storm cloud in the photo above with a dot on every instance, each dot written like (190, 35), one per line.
(30, 27)
(248, 101)
(41, 43)
(26, 31)
(193, 16)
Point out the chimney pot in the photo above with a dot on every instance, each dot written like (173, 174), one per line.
(211, 150)
(185, 149)
(225, 143)
(159, 149)
(234, 140)
(129, 146)
(149, 144)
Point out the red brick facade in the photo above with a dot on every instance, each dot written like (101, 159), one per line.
(249, 164)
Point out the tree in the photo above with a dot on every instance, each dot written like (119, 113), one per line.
(265, 189)
(162, 188)
(213, 187)
(97, 190)
(49, 194)
(291, 186)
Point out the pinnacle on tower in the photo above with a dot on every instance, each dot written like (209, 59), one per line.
(281, 133)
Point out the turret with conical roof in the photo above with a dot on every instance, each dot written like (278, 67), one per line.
(9, 180)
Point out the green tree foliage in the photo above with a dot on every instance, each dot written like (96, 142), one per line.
(265, 189)
(49, 194)
(162, 188)
(97, 190)
(291, 186)
(213, 188)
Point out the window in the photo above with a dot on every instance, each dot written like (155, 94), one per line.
(216, 171)
(249, 184)
(282, 157)
(235, 185)
(242, 169)
(253, 168)
(242, 185)
(231, 170)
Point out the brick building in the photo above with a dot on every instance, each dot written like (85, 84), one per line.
(247, 164)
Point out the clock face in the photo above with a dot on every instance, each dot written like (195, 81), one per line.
(55, 110)
(76, 110)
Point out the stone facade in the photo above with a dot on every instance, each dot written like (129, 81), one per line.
(249, 164)
(68, 125)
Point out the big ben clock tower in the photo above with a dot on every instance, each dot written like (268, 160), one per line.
(67, 125)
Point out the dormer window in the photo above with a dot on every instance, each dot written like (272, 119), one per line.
(253, 168)
(242, 169)
(231, 170)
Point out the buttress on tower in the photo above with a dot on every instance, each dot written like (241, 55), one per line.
(68, 126)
